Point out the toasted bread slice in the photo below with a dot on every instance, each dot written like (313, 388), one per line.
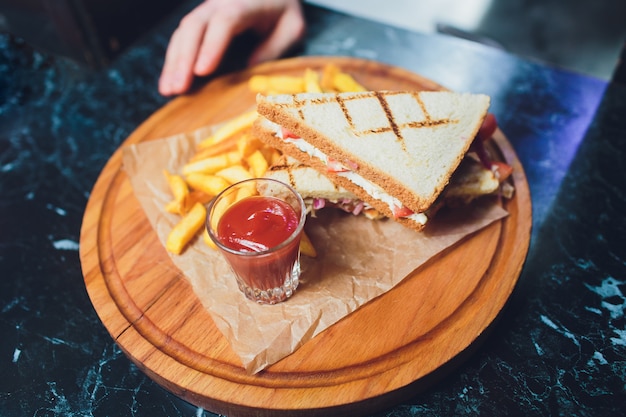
(470, 181)
(394, 150)
(317, 190)
(307, 181)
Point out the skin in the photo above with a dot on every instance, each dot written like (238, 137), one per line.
(198, 44)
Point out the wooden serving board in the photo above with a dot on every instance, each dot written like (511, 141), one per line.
(372, 359)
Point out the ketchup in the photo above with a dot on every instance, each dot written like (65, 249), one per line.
(259, 228)
(256, 224)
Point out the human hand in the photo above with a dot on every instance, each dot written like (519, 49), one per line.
(198, 44)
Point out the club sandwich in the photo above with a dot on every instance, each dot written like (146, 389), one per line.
(394, 151)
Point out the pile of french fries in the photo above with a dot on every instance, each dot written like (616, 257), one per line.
(232, 154)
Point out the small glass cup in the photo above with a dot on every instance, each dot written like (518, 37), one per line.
(266, 272)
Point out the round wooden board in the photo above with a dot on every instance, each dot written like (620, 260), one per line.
(372, 359)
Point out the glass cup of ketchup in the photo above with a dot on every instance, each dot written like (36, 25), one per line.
(257, 225)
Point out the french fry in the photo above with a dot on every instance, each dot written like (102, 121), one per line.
(179, 190)
(209, 184)
(245, 192)
(234, 173)
(306, 246)
(174, 207)
(270, 154)
(212, 164)
(247, 144)
(219, 209)
(281, 84)
(335, 80)
(177, 185)
(273, 157)
(311, 81)
(186, 229)
(257, 163)
(237, 124)
(327, 81)
(193, 197)
(196, 196)
(227, 145)
(345, 83)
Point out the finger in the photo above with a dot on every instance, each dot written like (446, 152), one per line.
(227, 20)
(177, 74)
(289, 29)
(216, 39)
(174, 77)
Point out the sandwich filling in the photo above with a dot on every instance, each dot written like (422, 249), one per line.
(342, 170)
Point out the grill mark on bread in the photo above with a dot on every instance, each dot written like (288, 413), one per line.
(345, 111)
(392, 121)
(397, 128)
(429, 121)
(300, 102)
(292, 180)
(280, 164)
(284, 166)
(419, 101)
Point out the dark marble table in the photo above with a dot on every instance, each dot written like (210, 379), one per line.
(558, 349)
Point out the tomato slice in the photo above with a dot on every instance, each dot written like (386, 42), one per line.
(402, 211)
(486, 131)
(352, 165)
(488, 128)
(502, 170)
(287, 134)
(335, 166)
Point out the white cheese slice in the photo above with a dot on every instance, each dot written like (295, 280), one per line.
(369, 187)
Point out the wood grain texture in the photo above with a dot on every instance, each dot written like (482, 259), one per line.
(373, 358)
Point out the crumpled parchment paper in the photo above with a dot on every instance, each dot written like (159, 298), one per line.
(359, 259)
